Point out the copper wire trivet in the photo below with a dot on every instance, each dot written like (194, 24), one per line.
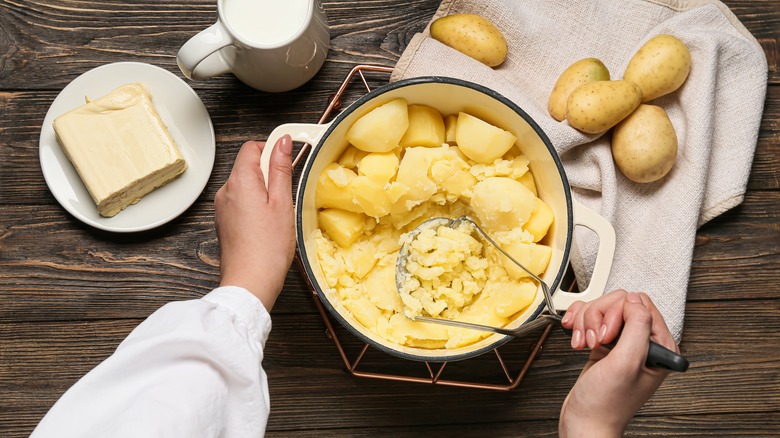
(429, 372)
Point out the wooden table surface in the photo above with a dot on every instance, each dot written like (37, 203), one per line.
(70, 293)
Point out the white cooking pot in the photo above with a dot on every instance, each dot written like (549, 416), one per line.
(449, 96)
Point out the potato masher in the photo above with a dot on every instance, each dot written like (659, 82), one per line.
(657, 355)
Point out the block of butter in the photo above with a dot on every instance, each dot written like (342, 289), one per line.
(120, 147)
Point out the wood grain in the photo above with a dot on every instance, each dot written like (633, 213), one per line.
(69, 293)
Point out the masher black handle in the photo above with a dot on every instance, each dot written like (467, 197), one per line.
(658, 356)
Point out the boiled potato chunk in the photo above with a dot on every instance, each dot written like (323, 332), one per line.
(413, 172)
(533, 256)
(371, 196)
(581, 72)
(472, 35)
(351, 157)
(403, 328)
(426, 127)
(334, 189)
(595, 107)
(540, 220)
(364, 312)
(644, 145)
(380, 167)
(380, 283)
(381, 129)
(481, 141)
(449, 129)
(359, 257)
(509, 298)
(659, 67)
(343, 227)
(502, 203)
(528, 181)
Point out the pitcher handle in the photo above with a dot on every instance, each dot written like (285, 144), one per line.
(199, 57)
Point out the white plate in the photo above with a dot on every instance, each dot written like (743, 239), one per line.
(187, 121)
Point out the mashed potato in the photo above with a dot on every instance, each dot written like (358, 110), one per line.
(369, 201)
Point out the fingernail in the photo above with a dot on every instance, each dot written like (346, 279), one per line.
(633, 297)
(590, 337)
(567, 317)
(602, 332)
(285, 144)
(576, 338)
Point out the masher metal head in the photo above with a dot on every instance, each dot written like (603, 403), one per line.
(402, 275)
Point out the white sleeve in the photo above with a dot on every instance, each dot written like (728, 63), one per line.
(192, 369)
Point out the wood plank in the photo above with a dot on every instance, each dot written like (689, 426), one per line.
(40, 360)
(56, 40)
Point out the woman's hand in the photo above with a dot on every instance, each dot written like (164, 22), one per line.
(614, 384)
(255, 226)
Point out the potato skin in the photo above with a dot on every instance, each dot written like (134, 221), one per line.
(581, 72)
(471, 35)
(595, 107)
(644, 144)
(659, 67)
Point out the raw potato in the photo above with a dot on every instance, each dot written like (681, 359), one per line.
(381, 129)
(595, 107)
(644, 145)
(581, 72)
(659, 67)
(481, 141)
(471, 35)
(426, 127)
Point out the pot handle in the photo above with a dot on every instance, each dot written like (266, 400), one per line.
(606, 253)
(304, 132)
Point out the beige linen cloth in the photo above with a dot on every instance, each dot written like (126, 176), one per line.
(716, 114)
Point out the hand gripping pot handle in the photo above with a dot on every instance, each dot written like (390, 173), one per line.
(588, 218)
(302, 132)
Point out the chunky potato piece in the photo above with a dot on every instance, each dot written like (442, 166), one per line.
(334, 189)
(381, 129)
(370, 195)
(343, 227)
(540, 220)
(533, 256)
(380, 167)
(380, 284)
(351, 157)
(449, 129)
(502, 203)
(365, 312)
(426, 127)
(508, 298)
(528, 181)
(481, 141)
(417, 333)
(413, 172)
